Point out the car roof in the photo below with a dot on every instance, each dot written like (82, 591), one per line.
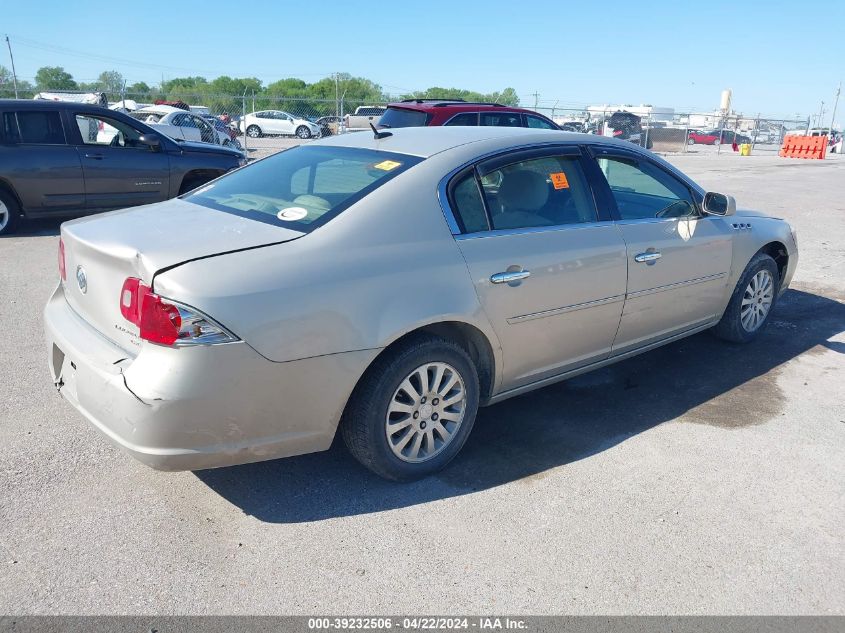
(428, 105)
(428, 141)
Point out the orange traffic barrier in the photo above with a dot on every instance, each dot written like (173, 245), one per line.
(803, 147)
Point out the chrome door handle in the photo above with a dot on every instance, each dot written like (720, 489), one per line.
(510, 276)
(647, 257)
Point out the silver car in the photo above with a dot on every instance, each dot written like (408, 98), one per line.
(389, 284)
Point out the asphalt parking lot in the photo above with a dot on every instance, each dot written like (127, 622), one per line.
(699, 478)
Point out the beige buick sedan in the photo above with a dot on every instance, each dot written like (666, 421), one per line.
(387, 285)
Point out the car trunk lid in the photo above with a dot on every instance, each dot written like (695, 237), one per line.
(102, 252)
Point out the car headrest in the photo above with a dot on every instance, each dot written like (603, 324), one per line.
(523, 190)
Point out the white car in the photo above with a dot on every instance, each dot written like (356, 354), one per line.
(270, 122)
(181, 124)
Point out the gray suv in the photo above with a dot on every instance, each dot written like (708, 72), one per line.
(59, 159)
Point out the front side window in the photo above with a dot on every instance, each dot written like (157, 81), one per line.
(41, 128)
(547, 191)
(100, 130)
(644, 191)
(502, 119)
(539, 123)
(464, 119)
(304, 187)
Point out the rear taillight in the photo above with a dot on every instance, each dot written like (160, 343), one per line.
(62, 268)
(617, 132)
(167, 322)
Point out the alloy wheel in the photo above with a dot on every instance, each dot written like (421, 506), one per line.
(425, 412)
(757, 301)
(5, 214)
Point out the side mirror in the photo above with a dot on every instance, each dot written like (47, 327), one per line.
(151, 140)
(718, 204)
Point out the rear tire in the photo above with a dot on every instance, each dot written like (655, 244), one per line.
(752, 301)
(413, 409)
(10, 213)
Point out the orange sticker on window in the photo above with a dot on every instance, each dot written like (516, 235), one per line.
(559, 180)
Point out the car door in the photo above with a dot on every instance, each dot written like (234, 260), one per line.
(119, 170)
(282, 123)
(549, 273)
(678, 258)
(44, 169)
(186, 127)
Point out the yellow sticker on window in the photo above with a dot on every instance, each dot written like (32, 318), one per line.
(559, 180)
(387, 165)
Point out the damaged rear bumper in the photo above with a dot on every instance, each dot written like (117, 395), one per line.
(197, 407)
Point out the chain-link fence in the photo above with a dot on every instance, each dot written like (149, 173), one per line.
(664, 130)
(264, 123)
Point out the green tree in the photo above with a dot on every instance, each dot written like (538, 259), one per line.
(139, 87)
(506, 97)
(5, 76)
(54, 78)
(110, 81)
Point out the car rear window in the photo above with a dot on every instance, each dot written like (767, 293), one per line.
(304, 187)
(400, 117)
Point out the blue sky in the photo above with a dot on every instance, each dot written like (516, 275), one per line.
(780, 59)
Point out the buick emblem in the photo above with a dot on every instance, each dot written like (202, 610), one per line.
(81, 279)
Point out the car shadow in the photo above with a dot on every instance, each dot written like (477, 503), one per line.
(37, 228)
(702, 378)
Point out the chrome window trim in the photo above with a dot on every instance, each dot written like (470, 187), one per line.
(443, 185)
(527, 230)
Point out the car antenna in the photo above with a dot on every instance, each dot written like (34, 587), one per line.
(378, 135)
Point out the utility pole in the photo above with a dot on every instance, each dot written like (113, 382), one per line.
(14, 74)
(819, 119)
(536, 96)
(835, 103)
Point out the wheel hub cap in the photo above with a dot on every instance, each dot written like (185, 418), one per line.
(757, 301)
(425, 412)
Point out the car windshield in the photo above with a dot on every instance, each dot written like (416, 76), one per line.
(400, 117)
(304, 187)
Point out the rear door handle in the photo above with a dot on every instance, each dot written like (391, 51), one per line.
(95, 156)
(510, 276)
(647, 257)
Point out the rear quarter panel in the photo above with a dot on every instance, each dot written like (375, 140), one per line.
(384, 267)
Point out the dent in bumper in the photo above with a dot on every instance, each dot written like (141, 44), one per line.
(199, 407)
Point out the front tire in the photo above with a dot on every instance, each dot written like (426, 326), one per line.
(9, 213)
(253, 131)
(413, 410)
(303, 132)
(752, 301)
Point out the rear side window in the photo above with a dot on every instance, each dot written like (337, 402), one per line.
(41, 128)
(400, 117)
(304, 187)
(465, 119)
(546, 191)
(468, 204)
